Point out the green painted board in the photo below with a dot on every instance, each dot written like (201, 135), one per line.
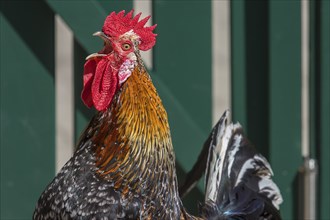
(324, 152)
(238, 63)
(250, 70)
(182, 72)
(265, 46)
(285, 98)
(27, 105)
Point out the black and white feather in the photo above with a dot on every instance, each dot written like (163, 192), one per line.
(238, 182)
(77, 192)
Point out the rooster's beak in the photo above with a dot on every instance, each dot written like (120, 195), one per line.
(107, 46)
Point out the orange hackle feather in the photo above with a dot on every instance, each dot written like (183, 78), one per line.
(134, 134)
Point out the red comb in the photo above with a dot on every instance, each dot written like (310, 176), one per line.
(118, 24)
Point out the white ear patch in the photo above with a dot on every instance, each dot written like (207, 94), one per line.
(126, 70)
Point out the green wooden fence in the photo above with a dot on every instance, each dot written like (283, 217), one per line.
(266, 97)
(266, 88)
(266, 77)
(27, 105)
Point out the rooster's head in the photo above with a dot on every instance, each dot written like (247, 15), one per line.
(105, 71)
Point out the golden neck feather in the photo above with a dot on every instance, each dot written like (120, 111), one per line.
(133, 141)
(140, 112)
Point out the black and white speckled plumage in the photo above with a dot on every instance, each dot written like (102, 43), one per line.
(78, 192)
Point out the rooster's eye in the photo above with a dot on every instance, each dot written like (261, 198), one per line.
(126, 46)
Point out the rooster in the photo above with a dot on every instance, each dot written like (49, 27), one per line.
(124, 163)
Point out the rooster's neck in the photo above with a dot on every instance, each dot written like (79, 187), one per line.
(133, 145)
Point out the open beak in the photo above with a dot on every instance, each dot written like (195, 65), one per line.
(106, 49)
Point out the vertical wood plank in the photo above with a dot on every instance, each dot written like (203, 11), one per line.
(182, 72)
(64, 107)
(221, 77)
(27, 105)
(238, 65)
(285, 97)
(322, 138)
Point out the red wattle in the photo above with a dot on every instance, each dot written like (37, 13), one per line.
(100, 84)
(104, 85)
